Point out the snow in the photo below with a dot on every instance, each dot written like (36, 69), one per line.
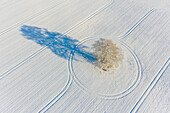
(45, 62)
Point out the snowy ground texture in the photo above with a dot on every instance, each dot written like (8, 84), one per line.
(46, 63)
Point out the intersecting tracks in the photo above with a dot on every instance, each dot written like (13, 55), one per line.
(110, 96)
(55, 99)
(68, 84)
(69, 81)
(43, 48)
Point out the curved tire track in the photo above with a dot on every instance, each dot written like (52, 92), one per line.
(58, 96)
(69, 82)
(111, 96)
(43, 48)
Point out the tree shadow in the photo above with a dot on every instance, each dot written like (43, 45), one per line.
(58, 43)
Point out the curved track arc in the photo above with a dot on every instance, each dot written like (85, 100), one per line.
(59, 95)
(6, 73)
(110, 96)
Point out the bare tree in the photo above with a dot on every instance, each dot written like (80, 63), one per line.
(108, 55)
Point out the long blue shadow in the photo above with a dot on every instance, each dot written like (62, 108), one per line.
(58, 43)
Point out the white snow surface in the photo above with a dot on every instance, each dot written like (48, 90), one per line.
(46, 56)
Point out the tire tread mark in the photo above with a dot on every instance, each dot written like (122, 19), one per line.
(29, 18)
(138, 23)
(89, 17)
(21, 63)
(43, 48)
(57, 97)
(112, 96)
(66, 87)
(61, 94)
(150, 87)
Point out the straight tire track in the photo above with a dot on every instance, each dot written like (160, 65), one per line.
(43, 48)
(138, 23)
(68, 84)
(61, 94)
(150, 87)
(21, 63)
(29, 18)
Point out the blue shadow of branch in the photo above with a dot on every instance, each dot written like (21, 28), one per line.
(58, 43)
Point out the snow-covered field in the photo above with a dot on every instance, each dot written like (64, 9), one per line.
(45, 64)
